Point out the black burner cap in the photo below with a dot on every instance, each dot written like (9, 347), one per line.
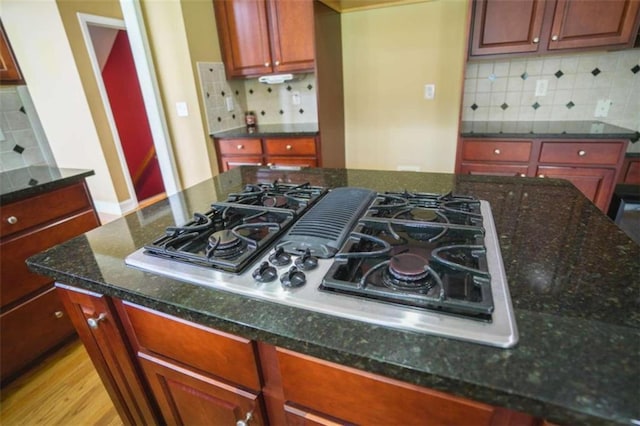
(408, 266)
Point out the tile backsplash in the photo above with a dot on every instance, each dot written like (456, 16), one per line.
(512, 90)
(22, 141)
(272, 104)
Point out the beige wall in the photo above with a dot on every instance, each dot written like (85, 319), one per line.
(166, 29)
(46, 59)
(389, 55)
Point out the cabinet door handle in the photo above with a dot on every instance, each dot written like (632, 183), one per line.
(269, 164)
(277, 63)
(582, 153)
(554, 38)
(95, 322)
(258, 164)
(497, 151)
(266, 64)
(58, 314)
(246, 420)
(536, 40)
(288, 147)
(240, 146)
(523, 175)
(12, 220)
(540, 175)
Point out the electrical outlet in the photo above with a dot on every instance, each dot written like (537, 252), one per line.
(295, 97)
(228, 100)
(541, 87)
(429, 91)
(181, 109)
(602, 108)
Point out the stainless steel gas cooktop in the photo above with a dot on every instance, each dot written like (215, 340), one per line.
(428, 263)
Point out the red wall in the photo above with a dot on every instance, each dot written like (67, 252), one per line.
(127, 105)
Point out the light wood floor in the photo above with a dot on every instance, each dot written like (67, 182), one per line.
(63, 390)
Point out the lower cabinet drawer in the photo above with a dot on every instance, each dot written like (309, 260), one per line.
(219, 354)
(240, 146)
(231, 161)
(290, 146)
(581, 152)
(292, 161)
(490, 150)
(31, 329)
(313, 383)
(494, 169)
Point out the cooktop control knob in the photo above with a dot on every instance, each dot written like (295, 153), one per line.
(306, 262)
(265, 273)
(280, 258)
(293, 278)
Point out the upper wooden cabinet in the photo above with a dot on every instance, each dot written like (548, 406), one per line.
(265, 36)
(543, 26)
(9, 71)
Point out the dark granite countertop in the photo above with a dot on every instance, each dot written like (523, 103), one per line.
(574, 277)
(546, 129)
(25, 182)
(270, 130)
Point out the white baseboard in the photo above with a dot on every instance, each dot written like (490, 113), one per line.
(115, 209)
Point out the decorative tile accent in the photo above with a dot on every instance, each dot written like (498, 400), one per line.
(301, 111)
(559, 74)
(262, 113)
(18, 149)
(289, 88)
(22, 110)
(222, 94)
(536, 105)
(251, 91)
(524, 76)
(269, 89)
(635, 69)
(309, 86)
(474, 107)
(570, 105)
(504, 106)
(281, 112)
(33, 182)
(595, 71)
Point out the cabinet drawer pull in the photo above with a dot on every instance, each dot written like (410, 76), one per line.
(540, 175)
(58, 314)
(277, 63)
(269, 164)
(582, 153)
(536, 40)
(12, 220)
(288, 147)
(95, 322)
(554, 38)
(240, 146)
(497, 151)
(523, 175)
(266, 64)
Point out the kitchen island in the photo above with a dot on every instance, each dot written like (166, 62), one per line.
(574, 280)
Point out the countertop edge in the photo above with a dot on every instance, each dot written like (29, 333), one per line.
(21, 194)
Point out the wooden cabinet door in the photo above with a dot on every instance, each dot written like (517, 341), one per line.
(593, 23)
(188, 398)
(244, 37)
(506, 26)
(595, 183)
(9, 71)
(292, 35)
(96, 321)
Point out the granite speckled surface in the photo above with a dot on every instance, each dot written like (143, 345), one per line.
(573, 275)
(25, 182)
(546, 129)
(270, 130)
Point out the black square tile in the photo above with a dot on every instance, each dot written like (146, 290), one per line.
(474, 107)
(33, 182)
(524, 76)
(559, 74)
(635, 69)
(309, 87)
(535, 105)
(596, 71)
(504, 106)
(570, 105)
(18, 149)
(301, 111)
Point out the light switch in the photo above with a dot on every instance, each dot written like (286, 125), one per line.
(181, 108)
(429, 91)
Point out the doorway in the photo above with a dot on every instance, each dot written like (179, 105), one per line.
(127, 94)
